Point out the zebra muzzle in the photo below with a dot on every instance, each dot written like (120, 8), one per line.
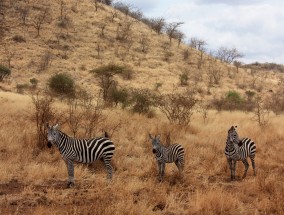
(49, 144)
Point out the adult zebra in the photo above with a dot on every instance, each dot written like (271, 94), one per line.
(170, 154)
(81, 150)
(239, 149)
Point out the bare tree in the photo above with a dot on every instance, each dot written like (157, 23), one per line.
(9, 54)
(228, 55)
(157, 24)
(215, 73)
(179, 36)
(261, 113)
(198, 44)
(42, 114)
(144, 43)
(24, 10)
(40, 18)
(171, 30)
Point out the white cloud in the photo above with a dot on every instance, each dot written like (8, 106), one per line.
(254, 27)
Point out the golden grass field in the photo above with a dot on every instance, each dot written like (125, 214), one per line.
(33, 181)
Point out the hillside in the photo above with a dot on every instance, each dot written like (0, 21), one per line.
(75, 37)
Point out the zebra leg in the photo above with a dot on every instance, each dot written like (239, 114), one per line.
(230, 162)
(180, 166)
(245, 162)
(108, 168)
(253, 165)
(233, 171)
(159, 170)
(163, 165)
(70, 169)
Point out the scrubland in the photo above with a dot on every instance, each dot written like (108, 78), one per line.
(33, 181)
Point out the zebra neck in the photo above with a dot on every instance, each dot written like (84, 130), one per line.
(63, 140)
(232, 145)
(160, 151)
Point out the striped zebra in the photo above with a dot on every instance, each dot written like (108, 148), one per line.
(170, 154)
(239, 149)
(81, 150)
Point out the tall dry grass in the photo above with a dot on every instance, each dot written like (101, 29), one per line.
(33, 181)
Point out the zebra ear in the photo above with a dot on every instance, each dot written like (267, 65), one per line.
(56, 126)
(150, 136)
(158, 137)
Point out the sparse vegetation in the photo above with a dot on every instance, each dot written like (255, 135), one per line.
(76, 36)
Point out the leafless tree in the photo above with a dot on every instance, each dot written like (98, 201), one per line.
(24, 10)
(43, 113)
(228, 55)
(215, 73)
(41, 17)
(157, 24)
(144, 43)
(9, 54)
(102, 26)
(171, 29)
(179, 36)
(45, 61)
(198, 44)
(113, 15)
(261, 114)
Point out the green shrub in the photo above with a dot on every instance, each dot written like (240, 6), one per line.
(62, 84)
(183, 79)
(233, 100)
(4, 72)
(34, 82)
(142, 100)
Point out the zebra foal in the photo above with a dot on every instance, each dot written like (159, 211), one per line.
(81, 150)
(170, 154)
(239, 149)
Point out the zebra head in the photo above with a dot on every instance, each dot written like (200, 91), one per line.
(52, 135)
(155, 142)
(233, 136)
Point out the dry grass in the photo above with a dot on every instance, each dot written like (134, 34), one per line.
(33, 182)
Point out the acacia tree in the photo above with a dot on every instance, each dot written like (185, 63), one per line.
(237, 64)
(172, 29)
(228, 55)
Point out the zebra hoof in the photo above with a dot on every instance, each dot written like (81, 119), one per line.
(70, 184)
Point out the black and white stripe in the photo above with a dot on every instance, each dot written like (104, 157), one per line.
(237, 149)
(173, 153)
(81, 150)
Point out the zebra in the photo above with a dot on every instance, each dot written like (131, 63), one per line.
(81, 150)
(170, 154)
(239, 149)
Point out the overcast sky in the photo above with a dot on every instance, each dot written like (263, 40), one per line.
(254, 27)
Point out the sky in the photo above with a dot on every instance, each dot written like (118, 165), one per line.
(254, 27)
